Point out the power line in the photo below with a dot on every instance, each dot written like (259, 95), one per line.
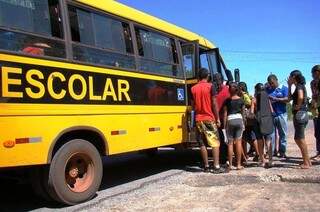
(269, 52)
(271, 60)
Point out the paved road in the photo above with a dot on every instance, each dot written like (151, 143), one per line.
(121, 174)
(172, 181)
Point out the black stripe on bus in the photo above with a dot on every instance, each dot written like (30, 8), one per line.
(30, 84)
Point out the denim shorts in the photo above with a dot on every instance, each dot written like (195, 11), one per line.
(299, 128)
(234, 129)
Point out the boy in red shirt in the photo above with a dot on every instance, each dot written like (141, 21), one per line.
(207, 119)
(221, 93)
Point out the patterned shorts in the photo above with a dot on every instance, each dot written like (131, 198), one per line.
(207, 134)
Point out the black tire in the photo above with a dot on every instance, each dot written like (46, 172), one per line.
(86, 159)
(39, 182)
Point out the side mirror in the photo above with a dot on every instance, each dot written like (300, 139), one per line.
(237, 75)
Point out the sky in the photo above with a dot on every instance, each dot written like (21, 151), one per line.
(258, 37)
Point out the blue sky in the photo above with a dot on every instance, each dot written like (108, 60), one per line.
(258, 37)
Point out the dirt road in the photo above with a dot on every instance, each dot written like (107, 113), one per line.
(171, 181)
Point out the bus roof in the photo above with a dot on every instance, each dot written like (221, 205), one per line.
(124, 11)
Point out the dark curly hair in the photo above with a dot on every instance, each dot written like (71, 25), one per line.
(243, 86)
(272, 77)
(316, 68)
(259, 87)
(203, 73)
(297, 75)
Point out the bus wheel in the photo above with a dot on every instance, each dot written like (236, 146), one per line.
(39, 177)
(75, 172)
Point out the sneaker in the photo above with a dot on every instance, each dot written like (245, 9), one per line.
(256, 158)
(206, 169)
(251, 154)
(219, 171)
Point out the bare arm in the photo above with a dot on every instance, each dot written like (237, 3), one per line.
(225, 115)
(253, 102)
(314, 92)
(299, 100)
(283, 100)
(270, 105)
(244, 118)
(289, 90)
(215, 110)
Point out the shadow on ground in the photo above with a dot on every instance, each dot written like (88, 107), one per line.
(17, 195)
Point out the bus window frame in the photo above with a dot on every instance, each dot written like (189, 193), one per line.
(105, 14)
(223, 67)
(139, 57)
(132, 25)
(218, 58)
(63, 39)
(63, 4)
(196, 57)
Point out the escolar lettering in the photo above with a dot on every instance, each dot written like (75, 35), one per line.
(58, 85)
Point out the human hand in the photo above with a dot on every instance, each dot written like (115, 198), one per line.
(274, 99)
(225, 135)
(314, 104)
(296, 108)
(274, 114)
(218, 123)
(289, 81)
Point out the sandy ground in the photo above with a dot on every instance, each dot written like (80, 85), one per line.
(172, 181)
(282, 188)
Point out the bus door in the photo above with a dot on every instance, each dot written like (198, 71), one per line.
(210, 60)
(195, 58)
(190, 54)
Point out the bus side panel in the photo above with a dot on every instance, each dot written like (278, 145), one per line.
(146, 131)
(135, 132)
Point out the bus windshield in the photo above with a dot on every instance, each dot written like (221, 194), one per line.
(209, 60)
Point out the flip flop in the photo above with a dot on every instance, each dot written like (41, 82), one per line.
(239, 168)
(262, 164)
(302, 166)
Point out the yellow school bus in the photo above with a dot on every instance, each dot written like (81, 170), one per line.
(90, 78)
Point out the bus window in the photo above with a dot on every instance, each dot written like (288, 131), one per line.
(209, 60)
(223, 71)
(213, 61)
(100, 39)
(204, 61)
(190, 62)
(28, 27)
(158, 53)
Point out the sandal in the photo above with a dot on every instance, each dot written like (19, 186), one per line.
(239, 168)
(262, 164)
(302, 166)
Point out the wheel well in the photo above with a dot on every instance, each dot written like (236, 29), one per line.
(91, 136)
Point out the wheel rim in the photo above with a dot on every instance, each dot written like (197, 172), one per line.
(79, 172)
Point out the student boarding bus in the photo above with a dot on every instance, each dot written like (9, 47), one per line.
(85, 79)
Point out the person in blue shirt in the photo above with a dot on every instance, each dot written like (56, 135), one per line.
(278, 95)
